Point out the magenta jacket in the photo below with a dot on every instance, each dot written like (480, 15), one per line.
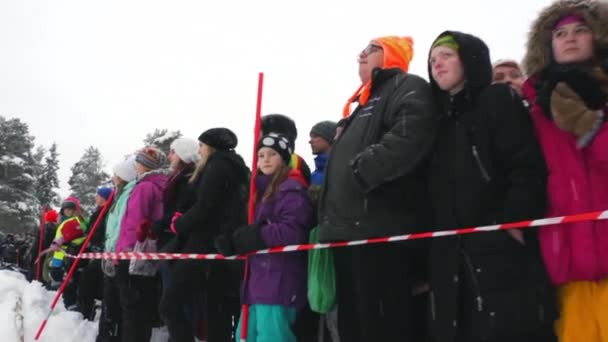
(577, 183)
(145, 203)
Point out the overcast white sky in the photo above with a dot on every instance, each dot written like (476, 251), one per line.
(105, 73)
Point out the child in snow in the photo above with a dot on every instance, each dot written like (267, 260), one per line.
(276, 285)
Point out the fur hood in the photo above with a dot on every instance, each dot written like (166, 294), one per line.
(595, 14)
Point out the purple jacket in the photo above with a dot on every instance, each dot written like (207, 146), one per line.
(286, 219)
(145, 203)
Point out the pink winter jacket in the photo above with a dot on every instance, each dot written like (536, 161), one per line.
(577, 183)
(144, 203)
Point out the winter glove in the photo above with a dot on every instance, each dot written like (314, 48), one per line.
(152, 235)
(175, 217)
(585, 83)
(224, 245)
(143, 230)
(248, 239)
(156, 229)
(56, 244)
(571, 114)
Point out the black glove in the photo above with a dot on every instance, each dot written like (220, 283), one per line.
(248, 239)
(157, 228)
(581, 81)
(224, 245)
(603, 54)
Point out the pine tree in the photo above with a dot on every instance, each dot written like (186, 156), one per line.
(19, 208)
(47, 179)
(87, 175)
(37, 157)
(162, 139)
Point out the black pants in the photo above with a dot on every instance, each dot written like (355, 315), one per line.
(187, 277)
(90, 287)
(70, 293)
(137, 303)
(110, 320)
(373, 284)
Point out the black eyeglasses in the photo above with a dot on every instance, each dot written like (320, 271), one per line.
(371, 48)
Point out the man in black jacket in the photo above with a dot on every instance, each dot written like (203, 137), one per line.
(373, 188)
(487, 168)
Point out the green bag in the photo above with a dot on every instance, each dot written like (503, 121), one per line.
(321, 277)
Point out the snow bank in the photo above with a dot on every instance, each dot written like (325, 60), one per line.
(23, 306)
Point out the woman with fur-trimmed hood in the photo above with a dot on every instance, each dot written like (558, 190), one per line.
(568, 59)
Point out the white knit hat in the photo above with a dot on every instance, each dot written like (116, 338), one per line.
(186, 149)
(125, 170)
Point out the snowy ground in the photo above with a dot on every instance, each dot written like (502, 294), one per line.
(23, 306)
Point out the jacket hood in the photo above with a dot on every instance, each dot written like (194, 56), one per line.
(475, 57)
(538, 49)
(157, 177)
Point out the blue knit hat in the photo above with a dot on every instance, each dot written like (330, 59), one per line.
(104, 191)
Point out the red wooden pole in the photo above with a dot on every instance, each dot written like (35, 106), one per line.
(256, 138)
(252, 191)
(41, 237)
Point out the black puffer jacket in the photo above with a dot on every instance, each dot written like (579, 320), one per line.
(486, 168)
(220, 207)
(374, 176)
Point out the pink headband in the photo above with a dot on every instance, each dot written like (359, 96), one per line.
(569, 19)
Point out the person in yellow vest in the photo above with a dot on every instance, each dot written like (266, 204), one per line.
(70, 232)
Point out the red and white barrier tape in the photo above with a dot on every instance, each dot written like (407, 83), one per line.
(592, 216)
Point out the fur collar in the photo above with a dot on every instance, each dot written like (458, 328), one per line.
(539, 55)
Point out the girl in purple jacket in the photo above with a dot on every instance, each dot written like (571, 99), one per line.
(137, 292)
(276, 285)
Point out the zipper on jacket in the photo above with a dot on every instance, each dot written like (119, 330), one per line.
(484, 173)
(541, 313)
(475, 282)
(432, 300)
(365, 204)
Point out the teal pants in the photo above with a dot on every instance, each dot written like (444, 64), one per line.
(269, 323)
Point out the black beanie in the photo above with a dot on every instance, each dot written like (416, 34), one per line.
(219, 138)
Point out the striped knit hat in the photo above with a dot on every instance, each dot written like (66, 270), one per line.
(151, 157)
